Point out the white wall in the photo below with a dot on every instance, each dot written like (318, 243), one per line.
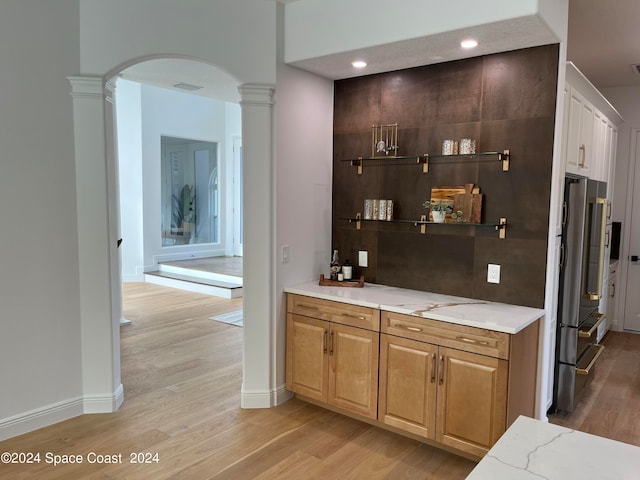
(237, 36)
(627, 101)
(304, 165)
(129, 130)
(39, 286)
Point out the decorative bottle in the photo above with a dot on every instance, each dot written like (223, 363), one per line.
(335, 265)
(347, 270)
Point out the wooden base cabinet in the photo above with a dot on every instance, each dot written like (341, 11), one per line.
(460, 386)
(331, 362)
(408, 372)
(455, 385)
(472, 397)
(443, 394)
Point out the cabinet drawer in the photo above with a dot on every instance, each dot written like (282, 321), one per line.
(468, 339)
(337, 312)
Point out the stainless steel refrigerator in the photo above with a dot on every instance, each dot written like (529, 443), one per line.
(581, 273)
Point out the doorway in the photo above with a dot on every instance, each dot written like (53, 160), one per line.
(631, 254)
(180, 206)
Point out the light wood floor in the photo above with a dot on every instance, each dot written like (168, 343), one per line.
(182, 375)
(611, 407)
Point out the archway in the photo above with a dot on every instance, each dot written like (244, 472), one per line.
(98, 235)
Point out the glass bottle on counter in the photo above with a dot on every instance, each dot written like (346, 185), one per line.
(347, 270)
(335, 265)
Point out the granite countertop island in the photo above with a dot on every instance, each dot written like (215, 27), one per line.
(494, 316)
(531, 449)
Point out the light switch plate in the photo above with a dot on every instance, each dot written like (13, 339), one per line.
(493, 273)
(363, 258)
(285, 254)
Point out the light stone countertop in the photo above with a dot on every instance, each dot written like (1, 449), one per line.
(499, 317)
(532, 449)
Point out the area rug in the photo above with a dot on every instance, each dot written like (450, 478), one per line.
(232, 318)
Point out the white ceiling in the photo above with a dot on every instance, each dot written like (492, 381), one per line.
(603, 44)
(604, 41)
(167, 72)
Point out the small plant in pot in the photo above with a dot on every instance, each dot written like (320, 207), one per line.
(438, 210)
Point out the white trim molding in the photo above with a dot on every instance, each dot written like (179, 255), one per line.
(103, 403)
(40, 417)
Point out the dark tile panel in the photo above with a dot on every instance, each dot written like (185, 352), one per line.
(433, 95)
(348, 241)
(357, 104)
(521, 194)
(426, 101)
(520, 83)
(522, 271)
(434, 263)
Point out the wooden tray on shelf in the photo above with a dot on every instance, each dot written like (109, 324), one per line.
(345, 283)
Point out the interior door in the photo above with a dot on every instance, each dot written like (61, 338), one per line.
(632, 302)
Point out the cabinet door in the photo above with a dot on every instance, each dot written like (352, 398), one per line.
(472, 400)
(408, 385)
(306, 356)
(574, 121)
(579, 134)
(586, 138)
(353, 369)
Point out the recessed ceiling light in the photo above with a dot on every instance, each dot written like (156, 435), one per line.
(359, 64)
(469, 43)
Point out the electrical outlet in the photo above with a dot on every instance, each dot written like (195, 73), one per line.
(493, 273)
(363, 258)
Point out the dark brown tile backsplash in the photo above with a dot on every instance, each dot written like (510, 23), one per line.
(504, 101)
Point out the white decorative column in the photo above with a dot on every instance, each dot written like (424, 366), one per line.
(258, 189)
(99, 274)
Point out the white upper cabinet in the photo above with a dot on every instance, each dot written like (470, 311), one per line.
(579, 134)
(590, 132)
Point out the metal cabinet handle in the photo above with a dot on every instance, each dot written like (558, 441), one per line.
(324, 341)
(583, 155)
(586, 371)
(471, 340)
(331, 344)
(588, 333)
(562, 254)
(565, 214)
(613, 290)
(433, 368)
(350, 315)
(441, 379)
(408, 327)
(308, 307)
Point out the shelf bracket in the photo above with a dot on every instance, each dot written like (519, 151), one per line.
(502, 227)
(504, 156)
(424, 160)
(357, 163)
(423, 225)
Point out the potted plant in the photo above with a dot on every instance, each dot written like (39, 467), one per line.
(438, 210)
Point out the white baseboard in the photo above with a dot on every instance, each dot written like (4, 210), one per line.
(269, 399)
(40, 417)
(58, 412)
(103, 403)
(282, 395)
